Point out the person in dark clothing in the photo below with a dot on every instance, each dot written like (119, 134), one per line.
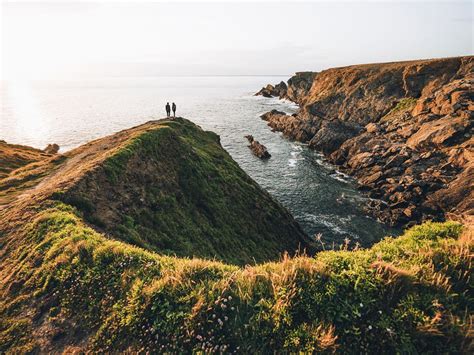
(174, 109)
(168, 109)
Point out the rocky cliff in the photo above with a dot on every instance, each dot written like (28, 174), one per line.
(404, 130)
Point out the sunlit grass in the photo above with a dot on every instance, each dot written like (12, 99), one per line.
(406, 294)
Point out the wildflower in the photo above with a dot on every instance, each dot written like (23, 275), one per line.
(221, 323)
(369, 327)
(361, 304)
(230, 298)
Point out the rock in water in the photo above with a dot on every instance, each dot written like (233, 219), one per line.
(258, 149)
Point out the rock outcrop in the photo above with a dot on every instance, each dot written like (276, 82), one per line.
(404, 130)
(278, 90)
(257, 148)
(298, 86)
(51, 149)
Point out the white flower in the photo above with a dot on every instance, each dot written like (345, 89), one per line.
(362, 305)
(369, 327)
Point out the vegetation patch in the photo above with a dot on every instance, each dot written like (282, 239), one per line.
(409, 294)
(27, 176)
(175, 190)
(404, 104)
(105, 263)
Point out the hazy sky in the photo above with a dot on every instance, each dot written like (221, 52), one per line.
(167, 38)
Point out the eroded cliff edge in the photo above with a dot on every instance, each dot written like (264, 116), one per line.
(403, 129)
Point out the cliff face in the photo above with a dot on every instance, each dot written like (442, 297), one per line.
(404, 130)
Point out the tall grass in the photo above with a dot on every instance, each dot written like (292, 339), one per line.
(409, 294)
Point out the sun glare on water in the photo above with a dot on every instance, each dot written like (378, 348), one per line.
(29, 121)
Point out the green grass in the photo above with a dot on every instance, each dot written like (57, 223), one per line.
(178, 192)
(404, 104)
(66, 287)
(407, 295)
(26, 177)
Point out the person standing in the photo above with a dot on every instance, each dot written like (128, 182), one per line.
(168, 110)
(174, 109)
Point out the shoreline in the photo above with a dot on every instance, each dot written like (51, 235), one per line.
(356, 135)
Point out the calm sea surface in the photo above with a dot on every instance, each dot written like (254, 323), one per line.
(70, 113)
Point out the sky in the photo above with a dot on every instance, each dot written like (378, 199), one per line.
(71, 39)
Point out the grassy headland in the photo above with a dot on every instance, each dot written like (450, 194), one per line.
(86, 268)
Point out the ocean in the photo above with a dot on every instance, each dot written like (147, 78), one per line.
(73, 112)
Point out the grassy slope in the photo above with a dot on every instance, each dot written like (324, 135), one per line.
(173, 189)
(67, 287)
(21, 167)
(13, 156)
(73, 288)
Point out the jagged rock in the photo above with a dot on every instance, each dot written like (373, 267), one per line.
(281, 89)
(278, 90)
(272, 114)
(372, 128)
(258, 149)
(299, 85)
(51, 149)
(438, 132)
(369, 180)
(266, 91)
(397, 119)
(332, 134)
(291, 126)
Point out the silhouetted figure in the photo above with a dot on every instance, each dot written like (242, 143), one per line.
(173, 107)
(168, 109)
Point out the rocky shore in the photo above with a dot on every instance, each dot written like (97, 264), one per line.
(403, 130)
